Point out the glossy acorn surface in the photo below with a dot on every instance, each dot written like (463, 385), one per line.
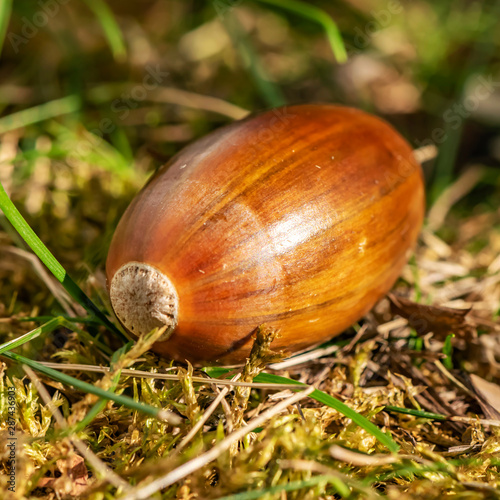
(299, 218)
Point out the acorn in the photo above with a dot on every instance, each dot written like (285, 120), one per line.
(299, 219)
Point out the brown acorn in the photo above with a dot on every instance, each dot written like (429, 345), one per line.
(299, 218)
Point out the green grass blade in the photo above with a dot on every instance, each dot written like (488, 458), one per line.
(23, 339)
(326, 399)
(292, 486)
(50, 326)
(5, 11)
(85, 335)
(63, 106)
(95, 410)
(90, 148)
(110, 27)
(43, 253)
(448, 351)
(267, 88)
(416, 413)
(89, 388)
(322, 398)
(101, 404)
(72, 319)
(445, 162)
(319, 16)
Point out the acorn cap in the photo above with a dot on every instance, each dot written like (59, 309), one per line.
(144, 298)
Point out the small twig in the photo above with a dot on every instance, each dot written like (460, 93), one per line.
(355, 340)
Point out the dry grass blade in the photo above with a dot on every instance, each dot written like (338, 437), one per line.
(425, 153)
(453, 379)
(303, 358)
(53, 285)
(489, 395)
(165, 376)
(198, 101)
(471, 420)
(360, 460)
(145, 492)
(463, 185)
(201, 422)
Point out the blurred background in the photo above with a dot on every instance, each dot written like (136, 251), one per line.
(95, 94)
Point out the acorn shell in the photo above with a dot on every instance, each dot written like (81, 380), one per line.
(300, 218)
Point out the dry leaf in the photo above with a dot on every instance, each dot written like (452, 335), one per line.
(489, 396)
(73, 480)
(436, 319)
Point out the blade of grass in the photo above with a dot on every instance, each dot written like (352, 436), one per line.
(158, 413)
(478, 60)
(43, 253)
(23, 339)
(334, 403)
(448, 350)
(50, 326)
(292, 486)
(72, 319)
(416, 413)
(5, 11)
(100, 468)
(445, 162)
(63, 106)
(319, 16)
(322, 398)
(409, 471)
(90, 148)
(269, 91)
(93, 412)
(110, 27)
(101, 404)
